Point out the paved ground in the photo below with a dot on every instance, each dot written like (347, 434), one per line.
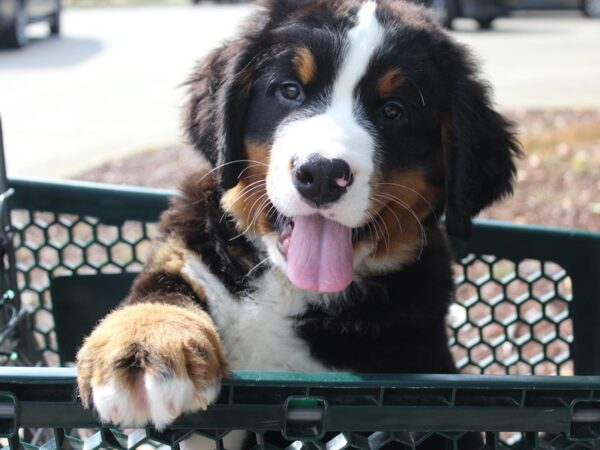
(540, 60)
(110, 86)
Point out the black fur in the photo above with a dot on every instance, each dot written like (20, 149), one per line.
(155, 286)
(479, 150)
(196, 217)
(393, 322)
(216, 111)
(389, 323)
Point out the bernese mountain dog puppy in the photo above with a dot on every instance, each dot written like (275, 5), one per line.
(339, 131)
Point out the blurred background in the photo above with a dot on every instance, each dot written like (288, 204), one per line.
(92, 90)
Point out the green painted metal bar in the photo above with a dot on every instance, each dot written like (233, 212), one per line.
(65, 376)
(9, 277)
(112, 204)
(46, 398)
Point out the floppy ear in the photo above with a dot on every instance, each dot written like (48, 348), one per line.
(479, 148)
(216, 108)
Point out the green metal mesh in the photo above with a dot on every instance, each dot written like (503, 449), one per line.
(88, 439)
(510, 317)
(49, 245)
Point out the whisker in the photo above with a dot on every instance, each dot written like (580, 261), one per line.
(247, 168)
(258, 265)
(379, 216)
(278, 220)
(226, 164)
(254, 175)
(385, 205)
(387, 232)
(418, 89)
(270, 210)
(246, 192)
(261, 202)
(261, 198)
(251, 187)
(370, 219)
(220, 166)
(377, 226)
(393, 213)
(261, 208)
(419, 194)
(411, 211)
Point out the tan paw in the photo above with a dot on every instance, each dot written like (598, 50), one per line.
(149, 363)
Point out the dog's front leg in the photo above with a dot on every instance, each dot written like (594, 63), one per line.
(158, 355)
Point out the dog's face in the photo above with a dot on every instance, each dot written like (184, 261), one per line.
(342, 130)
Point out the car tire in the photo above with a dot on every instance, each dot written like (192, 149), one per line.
(591, 8)
(444, 11)
(485, 24)
(15, 36)
(54, 21)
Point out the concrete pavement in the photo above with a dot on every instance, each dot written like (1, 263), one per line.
(110, 86)
(540, 60)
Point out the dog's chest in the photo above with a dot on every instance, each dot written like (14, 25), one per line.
(258, 330)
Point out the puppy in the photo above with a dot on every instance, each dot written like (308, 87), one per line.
(339, 131)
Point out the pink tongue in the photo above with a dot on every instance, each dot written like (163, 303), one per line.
(319, 257)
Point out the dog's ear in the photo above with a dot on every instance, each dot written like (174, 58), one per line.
(215, 111)
(479, 149)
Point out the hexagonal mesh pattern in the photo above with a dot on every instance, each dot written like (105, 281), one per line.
(49, 245)
(510, 317)
(227, 439)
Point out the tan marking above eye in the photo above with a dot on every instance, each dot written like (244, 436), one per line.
(304, 65)
(390, 82)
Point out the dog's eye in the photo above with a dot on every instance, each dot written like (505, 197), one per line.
(394, 111)
(291, 91)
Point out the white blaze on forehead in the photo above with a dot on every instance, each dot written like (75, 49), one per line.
(363, 41)
(335, 133)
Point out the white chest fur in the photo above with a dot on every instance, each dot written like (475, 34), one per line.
(258, 330)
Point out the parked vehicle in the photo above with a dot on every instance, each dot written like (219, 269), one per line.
(483, 11)
(590, 8)
(197, 2)
(15, 15)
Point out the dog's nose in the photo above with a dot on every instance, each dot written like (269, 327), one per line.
(321, 180)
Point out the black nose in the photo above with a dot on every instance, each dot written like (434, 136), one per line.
(322, 180)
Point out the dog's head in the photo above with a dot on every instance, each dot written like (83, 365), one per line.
(339, 127)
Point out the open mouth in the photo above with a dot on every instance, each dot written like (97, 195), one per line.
(318, 251)
(285, 234)
(286, 226)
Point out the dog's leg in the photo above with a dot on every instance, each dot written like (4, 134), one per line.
(158, 355)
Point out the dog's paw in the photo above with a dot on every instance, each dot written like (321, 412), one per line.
(149, 363)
